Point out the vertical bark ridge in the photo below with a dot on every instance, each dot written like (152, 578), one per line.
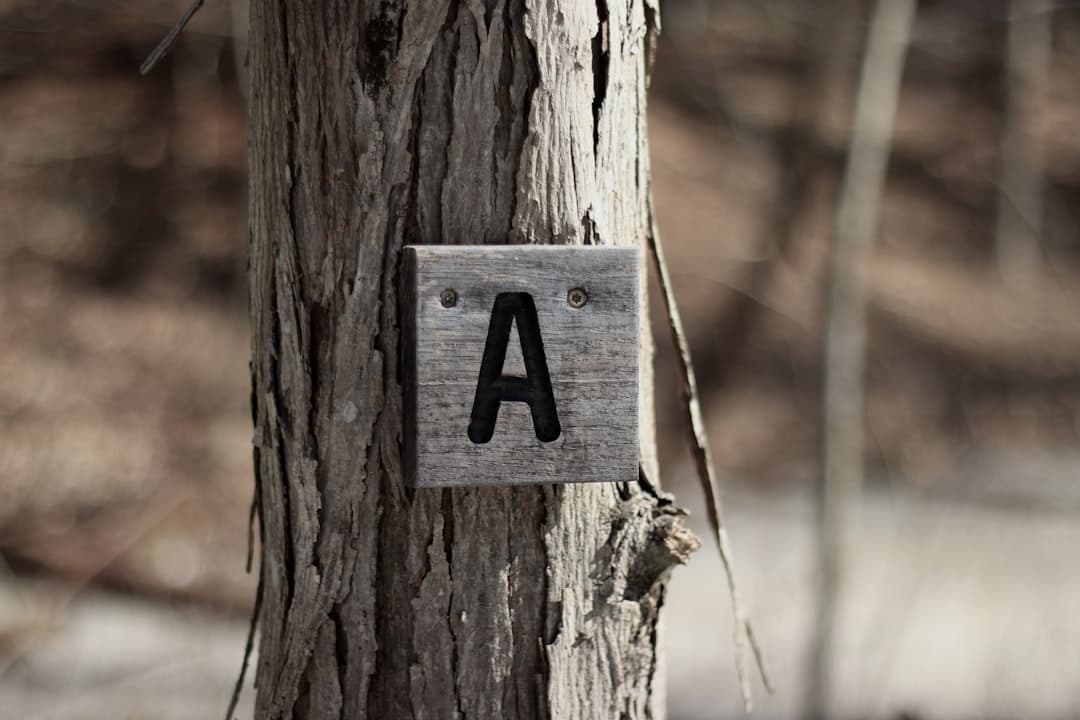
(459, 121)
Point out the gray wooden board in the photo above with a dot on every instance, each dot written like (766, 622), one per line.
(591, 354)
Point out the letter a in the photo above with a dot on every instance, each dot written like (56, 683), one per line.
(494, 388)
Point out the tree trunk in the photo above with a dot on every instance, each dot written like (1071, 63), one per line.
(375, 125)
(1020, 200)
(860, 197)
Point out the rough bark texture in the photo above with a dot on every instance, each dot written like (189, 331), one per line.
(375, 125)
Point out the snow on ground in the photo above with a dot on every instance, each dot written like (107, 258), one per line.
(954, 610)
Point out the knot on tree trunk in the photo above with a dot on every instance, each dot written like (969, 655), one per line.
(669, 543)
(640, 555)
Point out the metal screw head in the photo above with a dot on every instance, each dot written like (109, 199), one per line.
(577, 297)
(448, 298)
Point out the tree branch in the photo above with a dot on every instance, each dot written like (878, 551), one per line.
(169, 40)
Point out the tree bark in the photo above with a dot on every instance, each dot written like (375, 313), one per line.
(375, 125)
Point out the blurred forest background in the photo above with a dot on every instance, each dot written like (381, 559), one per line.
(125, 460)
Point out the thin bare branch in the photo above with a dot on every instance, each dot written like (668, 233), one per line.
(169, 40)
(745, 640)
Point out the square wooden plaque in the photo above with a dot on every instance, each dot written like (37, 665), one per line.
(521, 364)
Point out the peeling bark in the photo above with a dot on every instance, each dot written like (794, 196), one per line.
(375, 125)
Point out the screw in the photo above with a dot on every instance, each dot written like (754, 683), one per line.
(577, 297)
(448, 298)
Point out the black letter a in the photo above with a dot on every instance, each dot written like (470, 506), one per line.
(494, 388)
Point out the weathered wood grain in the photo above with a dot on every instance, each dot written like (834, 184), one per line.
(375, 125)
(590, 352)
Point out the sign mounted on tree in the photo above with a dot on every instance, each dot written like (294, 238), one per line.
(521, 364)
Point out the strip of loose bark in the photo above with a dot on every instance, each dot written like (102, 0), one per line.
(169, 40)
(745, 640)
(249, 647)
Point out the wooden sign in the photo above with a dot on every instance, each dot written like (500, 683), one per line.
(521, 364)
